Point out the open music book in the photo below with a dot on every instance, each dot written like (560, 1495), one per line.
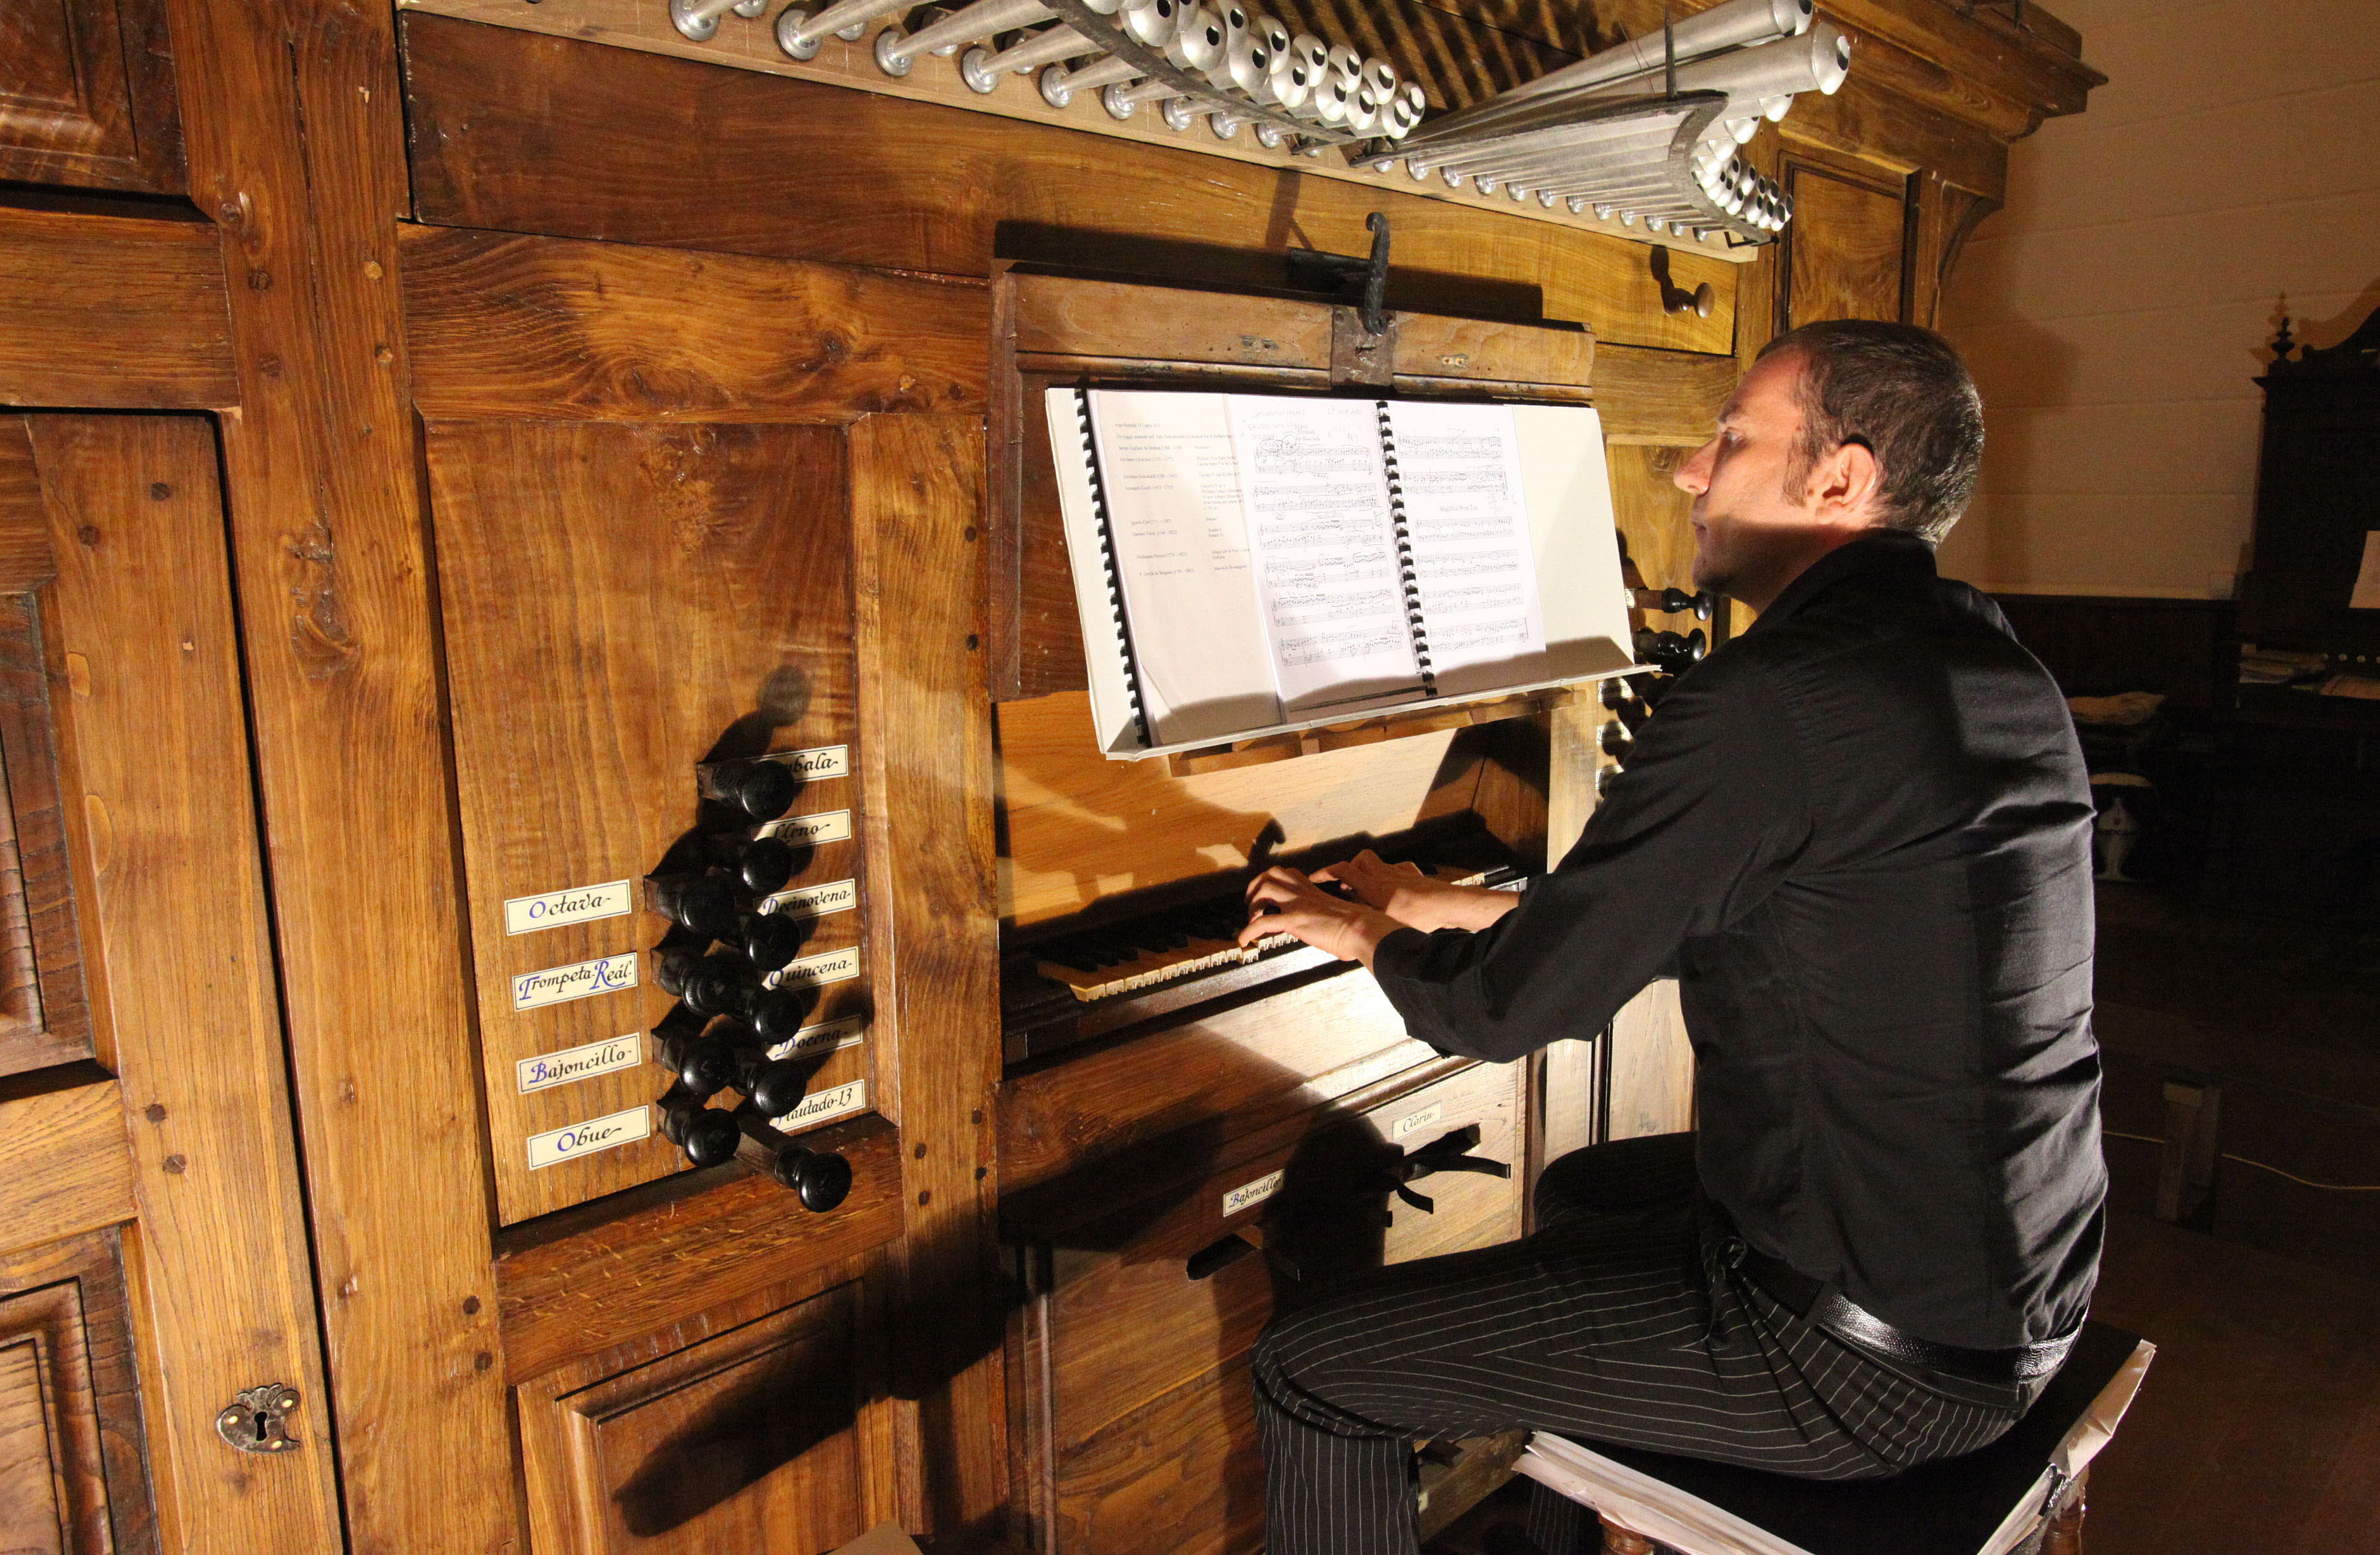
(1251, 564)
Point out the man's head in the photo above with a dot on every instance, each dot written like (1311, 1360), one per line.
(1839, 428)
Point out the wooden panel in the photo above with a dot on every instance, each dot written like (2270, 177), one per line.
(1652, 1065)
(73, 1476)
(917, 485)
(88, 98)
(693, 583)
(169, 861)
(65, 1165)
(293, 117)
(1655, 518)
(1843, 251)
(1184, 1475)
(1660, 397)
(543, 328)
(742, 1427)
(1469, 1209)
(112, 312)
(590, 1279)
(527, 133)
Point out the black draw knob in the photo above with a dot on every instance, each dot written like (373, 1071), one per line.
(762, 790)
(775, 1085)
(778, 1013)
(821, 1179)
(770, 940)
(719, 984)
(701, 904)
(706, 1134)
(760, 865)
(1669, 652)
(704, 1065)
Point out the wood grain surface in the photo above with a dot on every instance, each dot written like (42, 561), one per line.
(119, 312)
(293, 117)
(66, 1166)
(1845, 256)
(171, 876)
(1652, 1065)
(548, 329)
(88, 99)
(73, 1461)
(1660, 397)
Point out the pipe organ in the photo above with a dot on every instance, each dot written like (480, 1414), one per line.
(739, 1066)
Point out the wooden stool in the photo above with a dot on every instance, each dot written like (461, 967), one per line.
(2023, 1493)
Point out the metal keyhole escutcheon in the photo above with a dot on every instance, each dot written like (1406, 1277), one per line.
(257, 1421)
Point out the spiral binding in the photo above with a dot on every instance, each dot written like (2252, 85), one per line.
(1414, 620)
(1107, 563)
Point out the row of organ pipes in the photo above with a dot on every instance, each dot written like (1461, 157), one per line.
(1648, 131)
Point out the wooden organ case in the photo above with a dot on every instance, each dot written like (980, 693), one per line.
(637, 580)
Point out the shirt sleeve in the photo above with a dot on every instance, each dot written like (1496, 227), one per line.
(1710, 811)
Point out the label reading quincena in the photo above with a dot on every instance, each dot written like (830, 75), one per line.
(605, 974)
(581, 903)
(825, 1038)
(1412, 1122)
(831, 966)
(580, 1063)
(824, 762)
(586, 1139)
(826, 1106)
(1249, 1195)
(814, 900)
(827, 826)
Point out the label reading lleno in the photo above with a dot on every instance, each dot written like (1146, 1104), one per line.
(580, 1063)
(826, 1106)
(1249, 1195)
(827, 826)
(814, 900)
(831, 966)
(825, 1038)
(579, 905)
(586, 1139)
(605, 974)
(824, 762)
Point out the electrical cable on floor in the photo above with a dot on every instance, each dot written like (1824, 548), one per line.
(2261, 1166)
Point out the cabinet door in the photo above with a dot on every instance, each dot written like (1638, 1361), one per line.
(160, 1384)
(1846, 250)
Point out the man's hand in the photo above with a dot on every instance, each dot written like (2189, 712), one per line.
(1415, 899)
(1284, 902)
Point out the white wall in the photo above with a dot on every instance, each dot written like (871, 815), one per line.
(2115, 312)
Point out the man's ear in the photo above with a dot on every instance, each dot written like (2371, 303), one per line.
(1846, 483)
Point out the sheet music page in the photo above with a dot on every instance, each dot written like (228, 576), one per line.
(1459, 474)
(1327, 574)
(1182, 554)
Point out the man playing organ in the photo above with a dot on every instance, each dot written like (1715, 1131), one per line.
(1859, 835)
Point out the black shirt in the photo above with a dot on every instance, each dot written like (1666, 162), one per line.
(1858, 834)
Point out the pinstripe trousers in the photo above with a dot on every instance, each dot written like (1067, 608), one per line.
(1617, 1322)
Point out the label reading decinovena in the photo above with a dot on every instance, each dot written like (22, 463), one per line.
(830, 967)
(581, 903)
(827, 826)
(579, 1063)
(825, 1038)
(605, 974)
(824, 762)
(826, 1106)
(814, 900)
(586, 1139)
(1413, 1122)
(1249, 1195)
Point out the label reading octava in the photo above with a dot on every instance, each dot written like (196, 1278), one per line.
(580, 1063)
(1248, 1196)
(826, 1106)
(1414, 1121)
(825, 1038)
(827, 826)
(830, 967)
(814, 900)
(586, 1139)
(824, 762)
(605, 974)
(582, 904)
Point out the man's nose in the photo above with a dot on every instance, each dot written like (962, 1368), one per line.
(1694, 474)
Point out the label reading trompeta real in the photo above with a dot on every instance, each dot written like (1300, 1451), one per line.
(827, 826)
(825, 1038)
(586, 1139)
(829, 967)
(605, 974)
(1248, 1196)
(1413, 1123)
(547, 1070)
(826, 1106)
(824, 762)
(580, 904)
(814, 900)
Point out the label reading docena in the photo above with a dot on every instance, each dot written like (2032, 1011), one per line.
(825, 1038)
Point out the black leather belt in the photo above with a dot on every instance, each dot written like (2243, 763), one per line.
(1827, 1309)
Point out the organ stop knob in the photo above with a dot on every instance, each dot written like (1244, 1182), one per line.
(760, 865)
(821, 1179)
(707, 1136)
(701, 904)
(705, 1065)
(770, 940)
(1669, 652)
(762, 790)
(718, 984)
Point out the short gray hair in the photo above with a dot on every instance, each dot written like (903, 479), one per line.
(1902, 393)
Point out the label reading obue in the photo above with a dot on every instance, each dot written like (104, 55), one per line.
(824, 762)
(581, 903)
(827, 826)
(1249, 1195)
(829, 967)
(580, 1063)
(814, 900)
(825, 1038)
(583, 979)
(826, 1106)
(586, 1139)
(1414, 1121)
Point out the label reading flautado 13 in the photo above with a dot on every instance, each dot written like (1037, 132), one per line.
(825, 1038)
(810, 971)
(827, 826)
(826, 1106)
(581, 979)
(547, 1070)
(586, 1139)
(581, 903)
